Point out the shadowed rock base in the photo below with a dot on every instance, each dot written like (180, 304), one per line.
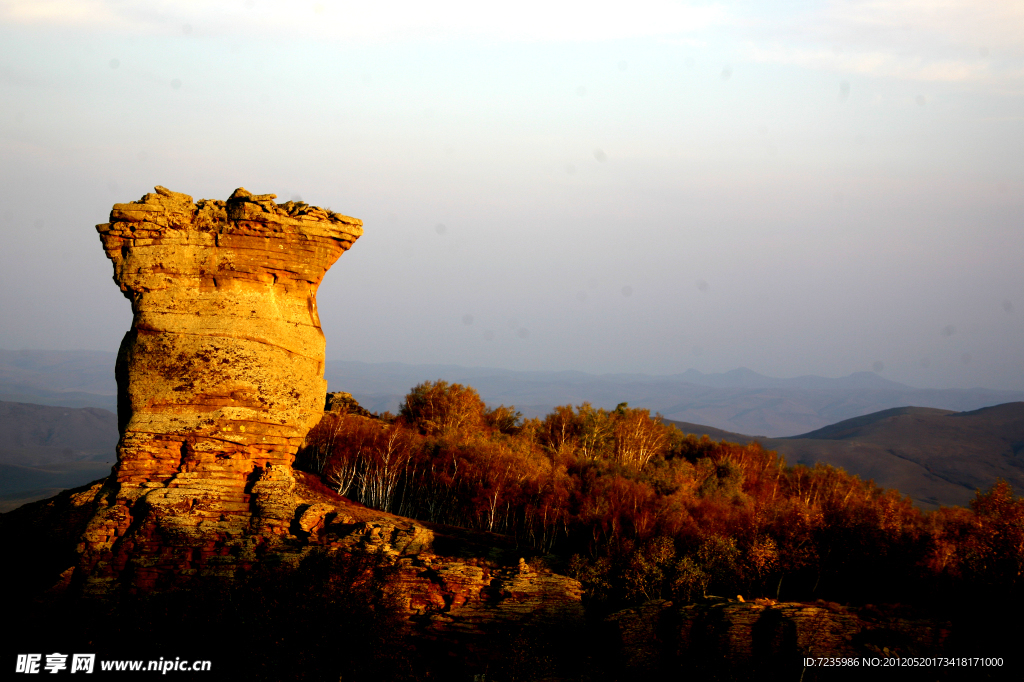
(717, 638)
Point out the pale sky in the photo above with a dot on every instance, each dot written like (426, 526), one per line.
(798, 188)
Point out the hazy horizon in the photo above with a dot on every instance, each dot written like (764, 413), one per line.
(824, 189)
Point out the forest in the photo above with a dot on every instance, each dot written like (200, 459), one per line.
(637, 510)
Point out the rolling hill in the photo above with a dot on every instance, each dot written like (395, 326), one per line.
(44, 449)
(937, 457)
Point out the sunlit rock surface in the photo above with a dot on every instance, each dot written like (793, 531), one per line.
(220, 378)
(222, 369)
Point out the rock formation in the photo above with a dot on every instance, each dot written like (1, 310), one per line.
(222, 369)
(343, 403)
(219, 380)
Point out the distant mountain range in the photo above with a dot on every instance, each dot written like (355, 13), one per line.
(938, 452)
(73, 378)
(739, 401)
(934, 456)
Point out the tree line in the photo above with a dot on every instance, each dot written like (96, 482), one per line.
(638, 510)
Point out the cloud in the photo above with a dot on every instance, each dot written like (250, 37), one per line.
(524, 20)
(880, 63)
(924, 40)
(975, 24)
(61, 12)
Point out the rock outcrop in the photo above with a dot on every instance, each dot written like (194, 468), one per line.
(736, 639)
(343, 403)
(220, 378)
(222, 369)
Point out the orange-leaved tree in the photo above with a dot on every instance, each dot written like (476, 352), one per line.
(438, 408)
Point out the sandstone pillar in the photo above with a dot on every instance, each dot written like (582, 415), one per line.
(221, 374)
(219, 379)
(223, 366)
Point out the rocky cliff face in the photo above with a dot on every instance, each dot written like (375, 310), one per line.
(219, 380)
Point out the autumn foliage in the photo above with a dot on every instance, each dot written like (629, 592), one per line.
(638, 510)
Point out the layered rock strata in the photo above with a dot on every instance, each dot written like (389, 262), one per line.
(222, 369)
(219, 380)
(219, 377)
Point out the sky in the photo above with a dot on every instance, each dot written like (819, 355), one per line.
(793, 187)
